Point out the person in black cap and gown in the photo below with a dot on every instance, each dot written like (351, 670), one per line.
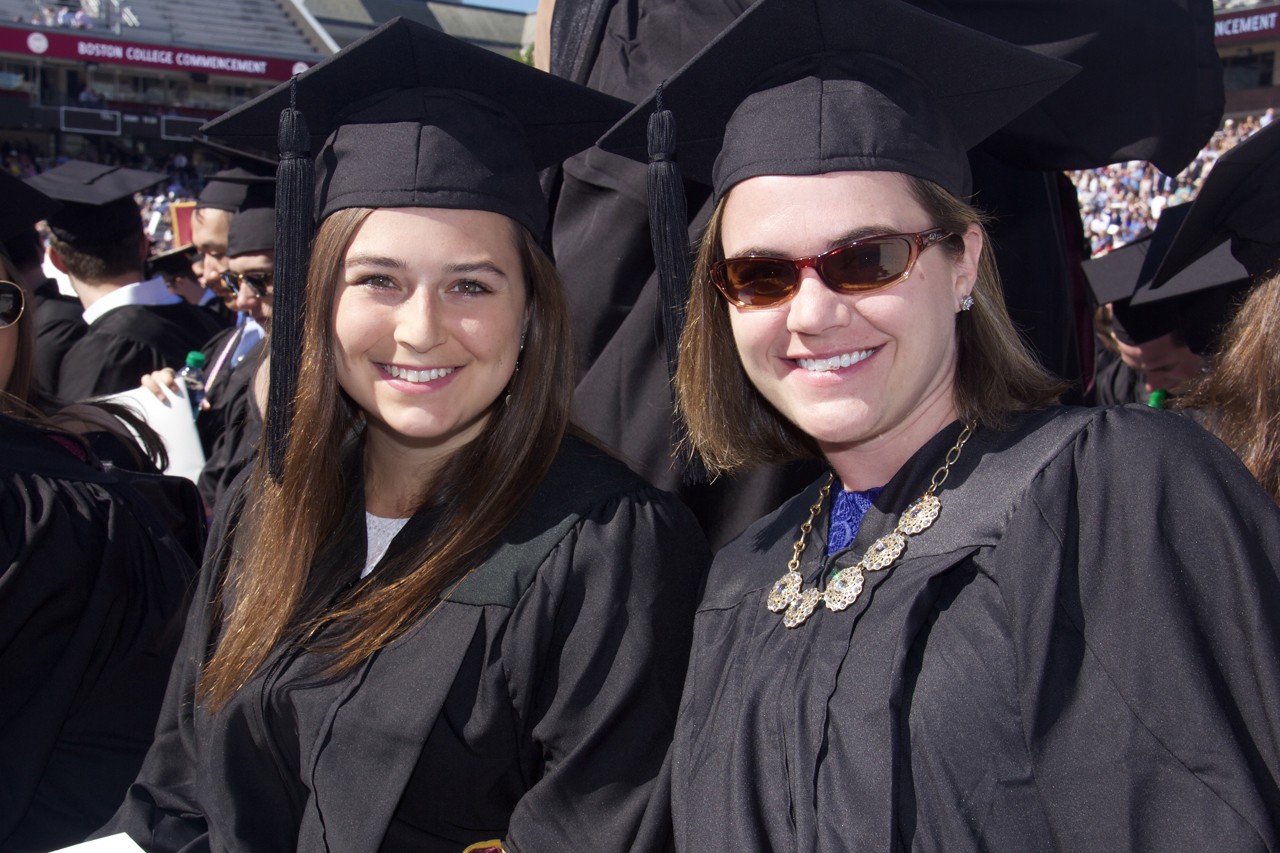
(1146, 92)
(1162, 336)
(135, 326)
(92, 591)
(435, 619)
(995, 624)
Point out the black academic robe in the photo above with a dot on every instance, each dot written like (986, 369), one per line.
(59, 324)
(92, 593)
(535, 703)
(1081, 654)
(128, 342)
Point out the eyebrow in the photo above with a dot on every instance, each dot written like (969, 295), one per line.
(844, 239)
(394, 263)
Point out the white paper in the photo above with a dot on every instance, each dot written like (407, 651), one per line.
(120, 843)
(172, 419)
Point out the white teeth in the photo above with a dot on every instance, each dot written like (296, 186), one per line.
(417, 375)
(836, 362)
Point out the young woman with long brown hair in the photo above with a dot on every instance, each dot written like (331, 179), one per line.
(994, 623)
(443, 620)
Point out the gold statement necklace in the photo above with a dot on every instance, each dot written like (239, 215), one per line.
(789, 594)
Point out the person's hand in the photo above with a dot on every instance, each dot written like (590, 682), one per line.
(158, 380)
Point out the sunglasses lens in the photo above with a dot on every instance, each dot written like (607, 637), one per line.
(10, 304)
(757, 282)
(258, 281)
(868, 264)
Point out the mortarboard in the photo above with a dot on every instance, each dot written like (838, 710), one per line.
(1197, 302)
(816, 86)
(404, 117)
(1240, 200)
(253, 228)
(227, 189)
(174, 263)
(97, 201)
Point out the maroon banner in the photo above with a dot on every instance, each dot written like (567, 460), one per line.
(1249, 25)
(86, 46)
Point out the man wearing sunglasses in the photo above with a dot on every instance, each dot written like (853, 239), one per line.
(135, 325)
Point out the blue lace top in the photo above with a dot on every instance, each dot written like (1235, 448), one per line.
(847, 512)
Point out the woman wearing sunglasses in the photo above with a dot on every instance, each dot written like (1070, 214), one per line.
(994, 623)
(435, 619)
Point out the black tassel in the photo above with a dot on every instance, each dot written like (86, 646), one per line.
(669, 232)
(668, 227)
(295, 192)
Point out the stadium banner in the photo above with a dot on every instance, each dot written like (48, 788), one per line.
(1249, 25)
(86, 46)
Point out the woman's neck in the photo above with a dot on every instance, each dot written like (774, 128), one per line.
(395, 478)
(874, 461)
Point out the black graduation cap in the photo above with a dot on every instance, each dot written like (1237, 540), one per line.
(1197, 302)
(253, 228)
(228, 189)
(409, 116)
(1240, 200)
(174, 263)
(1115, 276)
(803, 87)
(98, 206)
(404, 117)
(23, 207)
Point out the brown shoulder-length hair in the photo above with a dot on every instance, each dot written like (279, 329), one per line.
(1239, 395)
(732, 427)
(264, 597)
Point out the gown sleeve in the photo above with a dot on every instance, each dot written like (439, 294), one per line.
(597, 651)
(1149, 640)
(161, 810)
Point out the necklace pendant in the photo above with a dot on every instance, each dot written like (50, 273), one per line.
(844, 589)
(801, 608)
(921, 515)
(883, 552)
(784, 592)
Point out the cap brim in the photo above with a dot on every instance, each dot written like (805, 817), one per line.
(1114, 276)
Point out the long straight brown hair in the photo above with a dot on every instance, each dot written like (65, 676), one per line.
(263, 600)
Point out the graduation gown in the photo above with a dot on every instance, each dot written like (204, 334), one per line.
(59, 324)
(92, 593)
(1082, 653)
(535, 704)
(128, 342)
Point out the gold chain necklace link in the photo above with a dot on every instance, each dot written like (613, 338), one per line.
(788, 595)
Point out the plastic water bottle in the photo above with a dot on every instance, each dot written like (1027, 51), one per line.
(193, 376)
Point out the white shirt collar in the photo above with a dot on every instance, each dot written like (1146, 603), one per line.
(153, 291)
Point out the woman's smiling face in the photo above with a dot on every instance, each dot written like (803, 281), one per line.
(849, 370)
(427, 322)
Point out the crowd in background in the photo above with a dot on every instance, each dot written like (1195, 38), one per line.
(1122, 202)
